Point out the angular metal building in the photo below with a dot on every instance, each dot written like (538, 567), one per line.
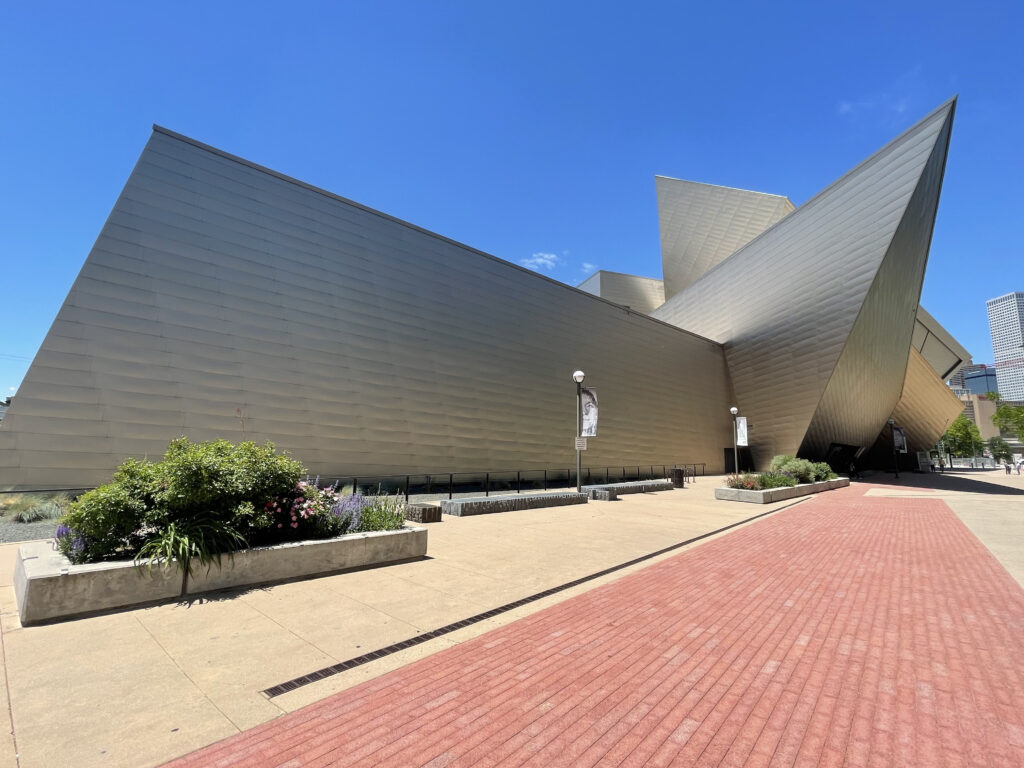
(222, 299)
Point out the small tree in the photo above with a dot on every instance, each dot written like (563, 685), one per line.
(963, 438)
(999, 449)
(1009, 418)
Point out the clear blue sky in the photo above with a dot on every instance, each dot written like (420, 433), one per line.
(518, 128)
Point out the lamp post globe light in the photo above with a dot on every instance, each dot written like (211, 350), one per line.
(578, 377)
(892, 436)
(735, 451)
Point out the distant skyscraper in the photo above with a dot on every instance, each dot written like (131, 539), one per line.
(1006, 322)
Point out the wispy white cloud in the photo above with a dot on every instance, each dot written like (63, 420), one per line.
(541, 260)
(586, 266)
(889, 104)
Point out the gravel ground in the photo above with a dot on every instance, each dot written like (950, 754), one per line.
(10, 531)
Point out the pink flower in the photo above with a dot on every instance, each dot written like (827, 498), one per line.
(280, 525)
(295, 525)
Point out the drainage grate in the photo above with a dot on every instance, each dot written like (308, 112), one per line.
(358, 661)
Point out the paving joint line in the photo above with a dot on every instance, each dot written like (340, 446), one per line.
(357, 661)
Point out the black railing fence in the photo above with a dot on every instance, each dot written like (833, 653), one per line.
(451, 484)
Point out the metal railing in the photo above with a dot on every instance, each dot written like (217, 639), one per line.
(433, 486)
(438, 485)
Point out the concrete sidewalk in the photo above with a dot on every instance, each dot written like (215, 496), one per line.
(140, 687)
(851, 630)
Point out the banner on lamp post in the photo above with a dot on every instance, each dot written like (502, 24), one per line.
(741, 431)
(899, 440)
(588, 397)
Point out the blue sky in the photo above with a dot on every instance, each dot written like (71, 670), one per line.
(530, 130)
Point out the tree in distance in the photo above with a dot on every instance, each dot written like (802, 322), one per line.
(963, 438)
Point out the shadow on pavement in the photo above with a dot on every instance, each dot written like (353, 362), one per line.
(951, 481)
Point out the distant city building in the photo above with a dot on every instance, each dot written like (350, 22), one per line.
(975, 379)
(1006, 323)
(980, 411)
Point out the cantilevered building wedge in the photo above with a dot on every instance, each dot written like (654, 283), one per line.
(816, 313)
(701, 225)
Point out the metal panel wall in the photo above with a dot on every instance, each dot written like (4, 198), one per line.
(785, 304)
(642, 294)
(224, 300)
(866, 383)
(703, 224)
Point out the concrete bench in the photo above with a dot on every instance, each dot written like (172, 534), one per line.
(612, 491)
(423, 513)
(483, 505)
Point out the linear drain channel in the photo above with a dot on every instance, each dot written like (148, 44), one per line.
(358, 661)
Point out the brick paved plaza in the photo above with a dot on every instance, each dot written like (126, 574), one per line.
(858, 628)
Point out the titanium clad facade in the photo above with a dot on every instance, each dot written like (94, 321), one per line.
(703, 224)
(641, 294)
(868, 378)
(224, 300)
(786, 305)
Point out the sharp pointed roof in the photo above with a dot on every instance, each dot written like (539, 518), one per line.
(786, 304)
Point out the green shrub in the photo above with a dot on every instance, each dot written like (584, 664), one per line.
(216, 477)
(778, 461)
(822, 471)
(211, 495)
(776, 480)
(104, 523)
(801, 469)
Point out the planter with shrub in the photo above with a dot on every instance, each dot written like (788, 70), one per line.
(208, 516)
(786, 478)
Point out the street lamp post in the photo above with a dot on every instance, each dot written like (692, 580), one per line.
(735, 451)
(892, 436)
(578, 377)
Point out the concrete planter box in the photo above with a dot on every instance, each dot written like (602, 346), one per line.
(49, 587)
(779, 494)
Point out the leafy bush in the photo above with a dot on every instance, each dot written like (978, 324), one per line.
(105, 523)
(822, 471)
(801, 469)
(776, 480)
(778, 461)
(206, 499)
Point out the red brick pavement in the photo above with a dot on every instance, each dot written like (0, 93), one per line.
(845, 631)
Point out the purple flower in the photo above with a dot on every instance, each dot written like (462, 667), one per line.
(351, 507)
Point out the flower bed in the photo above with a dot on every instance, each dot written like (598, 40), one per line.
(208, 516)
(786, 478)
(779, 494)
